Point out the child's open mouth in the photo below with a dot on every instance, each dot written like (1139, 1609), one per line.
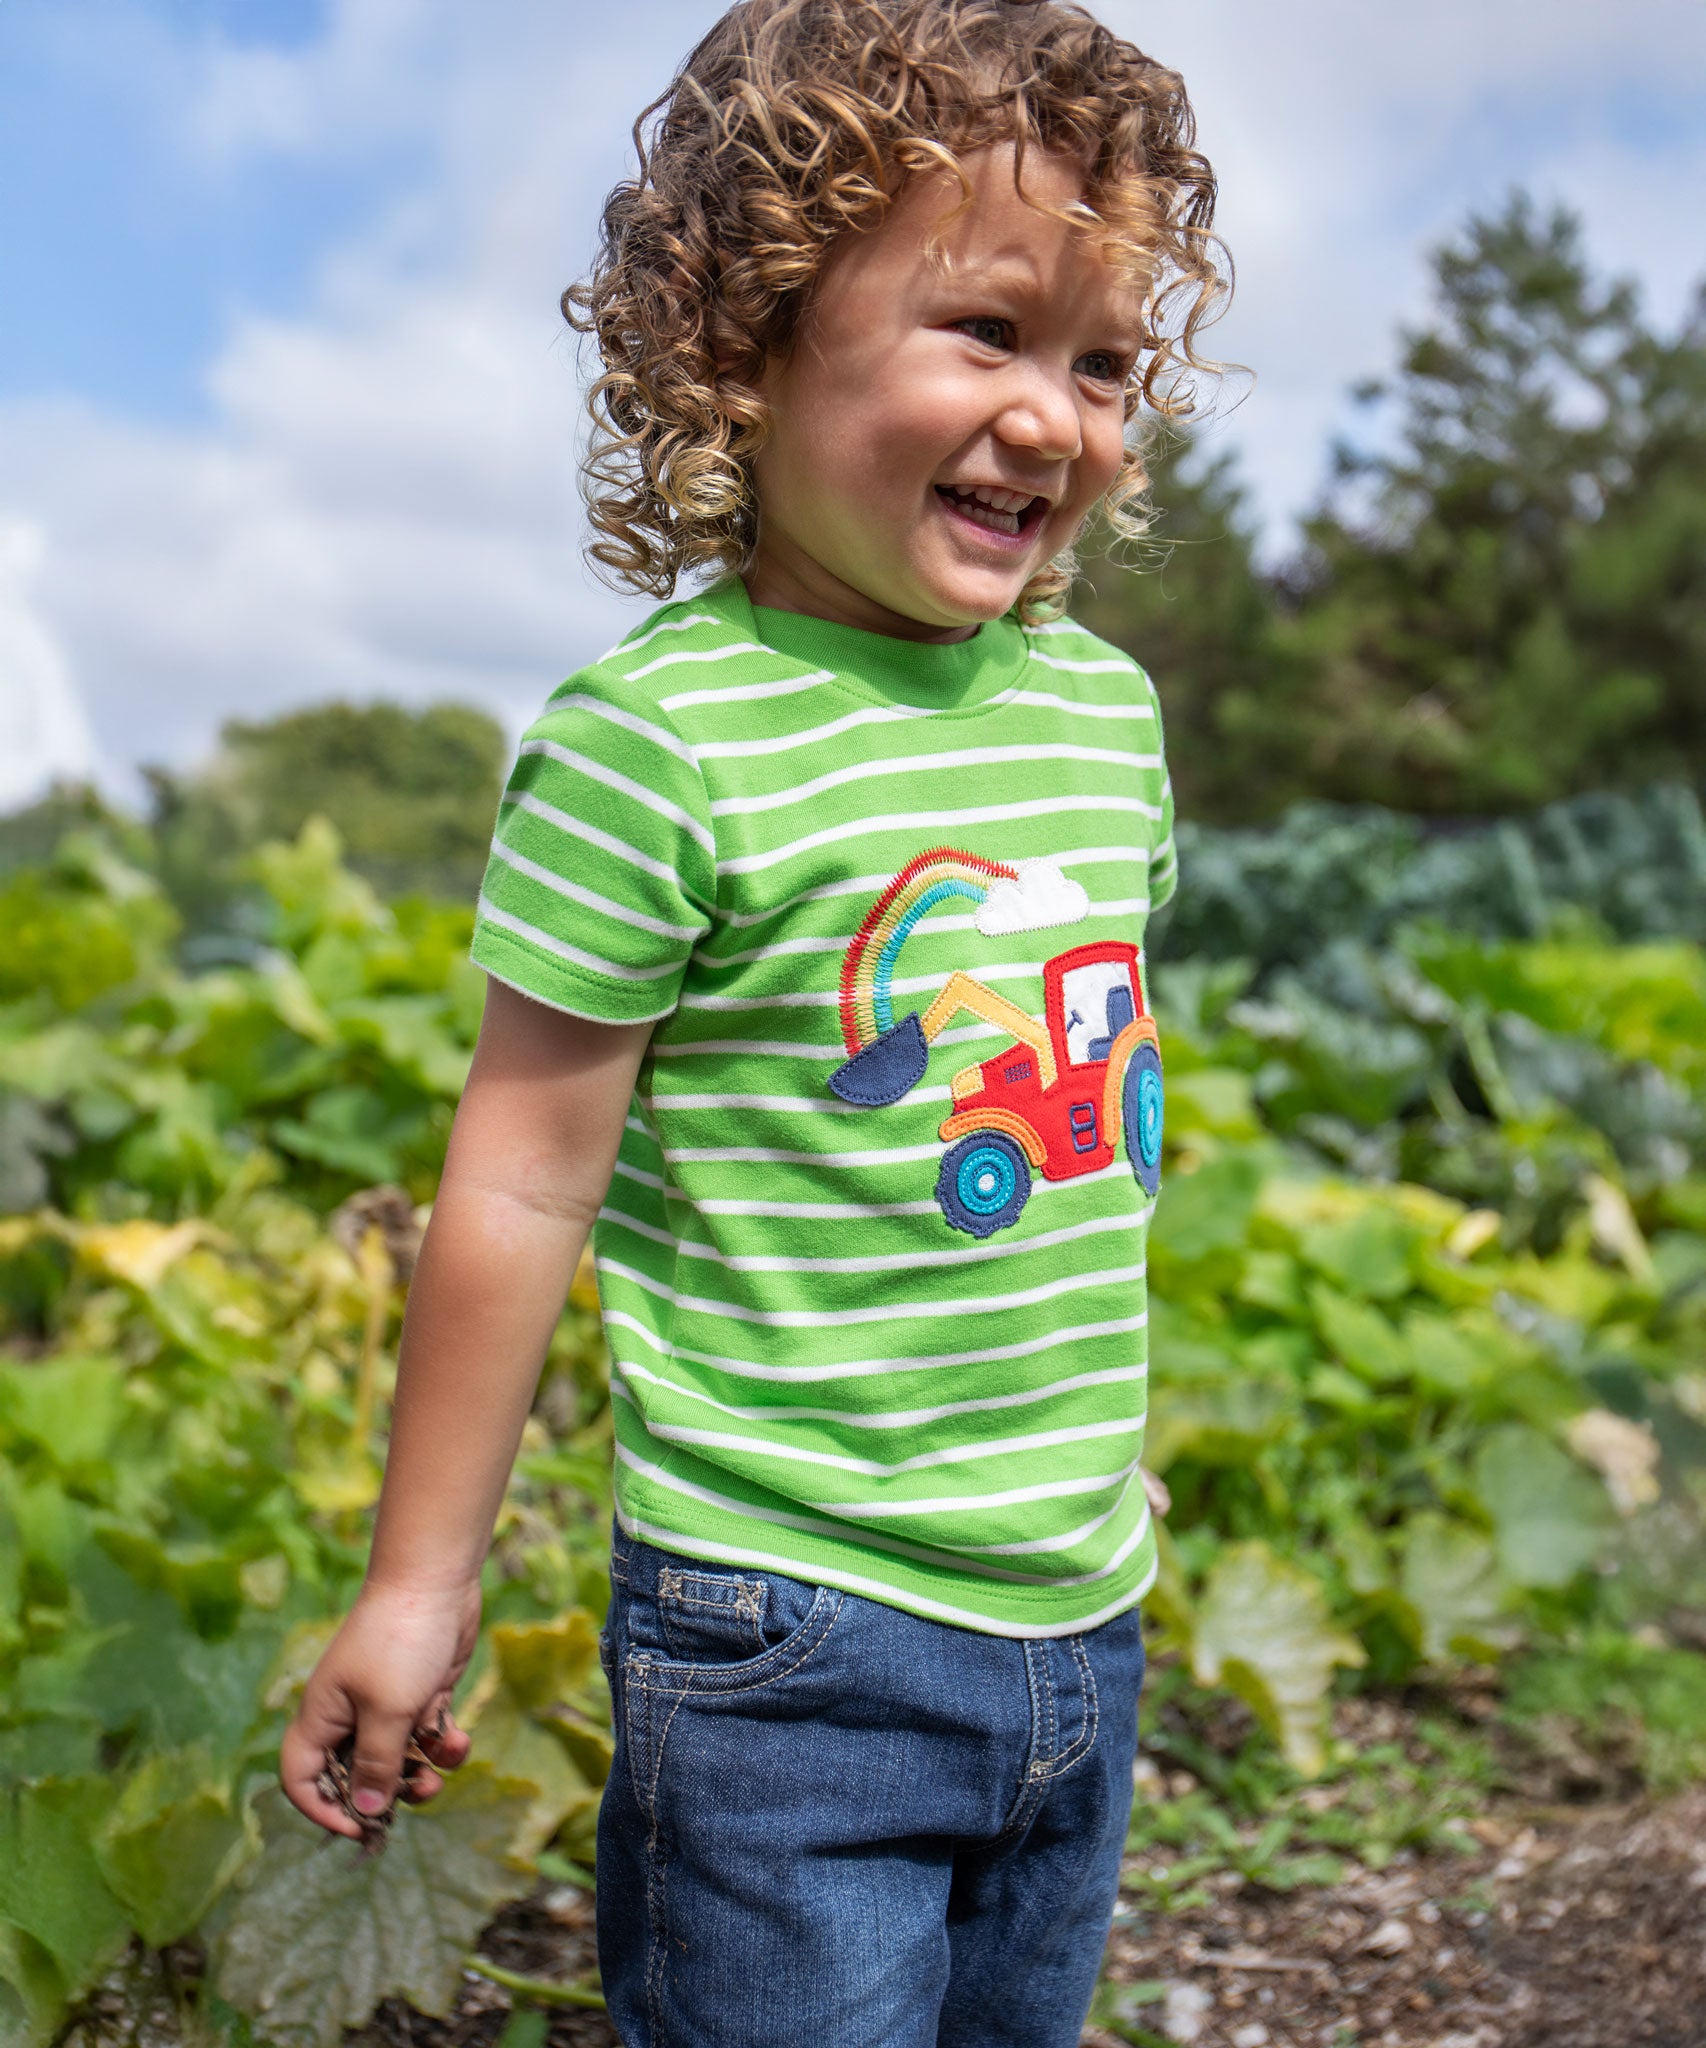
(1012, 515)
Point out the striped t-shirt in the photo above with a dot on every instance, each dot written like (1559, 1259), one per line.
(872, 1259)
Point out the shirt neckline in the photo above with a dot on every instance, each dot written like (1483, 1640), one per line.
(923, 675)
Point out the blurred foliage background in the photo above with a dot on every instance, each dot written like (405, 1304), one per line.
(1429, 1284)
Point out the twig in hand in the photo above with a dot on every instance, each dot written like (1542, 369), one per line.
(334, 1784)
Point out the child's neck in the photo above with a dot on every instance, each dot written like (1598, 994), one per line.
(785, 579)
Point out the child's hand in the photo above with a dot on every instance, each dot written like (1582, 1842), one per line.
(386, 1675)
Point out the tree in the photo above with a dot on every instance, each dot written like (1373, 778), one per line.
(1189, 602)
(412, 793)
(1509, 603)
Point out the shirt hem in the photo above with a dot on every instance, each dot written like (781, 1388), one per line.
(828, 1572)
(516, 968)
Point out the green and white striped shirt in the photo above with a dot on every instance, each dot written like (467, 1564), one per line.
(872, 1259)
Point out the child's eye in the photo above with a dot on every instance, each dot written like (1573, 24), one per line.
(1103, 365)
(986, 327)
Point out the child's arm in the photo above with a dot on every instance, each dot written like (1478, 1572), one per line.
(530, 1158)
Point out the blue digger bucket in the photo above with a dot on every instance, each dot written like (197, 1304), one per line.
(883, 1071)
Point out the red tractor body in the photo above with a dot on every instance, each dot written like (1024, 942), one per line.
(1067, 1123)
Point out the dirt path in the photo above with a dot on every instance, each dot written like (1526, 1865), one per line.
(1574, 1931)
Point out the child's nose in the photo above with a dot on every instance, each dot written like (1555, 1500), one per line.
(1041, 414)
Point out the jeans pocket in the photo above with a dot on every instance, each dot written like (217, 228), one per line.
(707, 1629)
(714, 1617)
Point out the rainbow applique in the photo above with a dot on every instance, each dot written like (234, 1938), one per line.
(868, 969)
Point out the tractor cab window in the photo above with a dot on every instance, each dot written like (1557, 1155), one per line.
(1098, 1004)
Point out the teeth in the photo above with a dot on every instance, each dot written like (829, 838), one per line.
(1000, 501)
(992, 516)
(997, 509)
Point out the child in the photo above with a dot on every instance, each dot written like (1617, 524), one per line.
(876, 316)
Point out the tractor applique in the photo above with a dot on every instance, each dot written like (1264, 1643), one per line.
(1053, 1102)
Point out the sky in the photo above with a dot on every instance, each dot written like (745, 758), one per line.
(288, 411)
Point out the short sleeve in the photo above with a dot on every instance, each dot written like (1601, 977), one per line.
(1163, 854)
(602, 876)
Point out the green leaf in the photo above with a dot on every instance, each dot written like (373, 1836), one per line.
(1207, 1211)
(33, 1994)
(50, 1883)
(11, 1562)
(1449, 1590)
(1274, 1280)
(528, 1727)
(71, 1407)
(172, 1843)
(1368, 1253)
(203, 1581)
(544, 1663)
(1212, 1100)
(350, 1129)
(1217, 1423)
(525, 1751)
(1549, 1516)
(29, 1137)
(317, 1934)
(1362, 1555)
(1451, 1357)
(141, 1668)
(1360, 1336)
(52, 1527)
(409, 1033)
(1261, 1628)
(48, 1746)
(525, 2028)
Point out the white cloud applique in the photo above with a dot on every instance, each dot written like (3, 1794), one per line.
(1040, 897)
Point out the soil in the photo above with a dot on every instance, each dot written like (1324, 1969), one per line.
(1565, 1931)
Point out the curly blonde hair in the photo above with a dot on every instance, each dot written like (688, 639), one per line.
(796, 122)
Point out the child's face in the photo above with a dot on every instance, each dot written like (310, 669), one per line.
(914, 382)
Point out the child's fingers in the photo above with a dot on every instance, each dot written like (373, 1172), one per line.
(302, 1758)
(376, 1769)
(440, 1738)
(422, 1783)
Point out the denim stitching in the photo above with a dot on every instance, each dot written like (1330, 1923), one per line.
(1020, 1813)
(637, 1705)
(658, 1930)
(701, 1679)
(676, 1586)
(701, 1593)
(656, 1870)
(1061, 1764)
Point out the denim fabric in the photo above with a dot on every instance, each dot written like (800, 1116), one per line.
(831, 1824)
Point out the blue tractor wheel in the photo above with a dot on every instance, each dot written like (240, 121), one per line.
(984, 1183)
(1141, 1107)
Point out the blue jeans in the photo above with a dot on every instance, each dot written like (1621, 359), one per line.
(830, 1824)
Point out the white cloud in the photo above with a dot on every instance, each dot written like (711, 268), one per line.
(43, 732)
(1042, 896)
